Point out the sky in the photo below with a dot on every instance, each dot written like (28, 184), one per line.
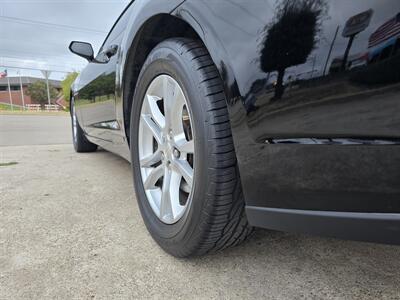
(36, 33)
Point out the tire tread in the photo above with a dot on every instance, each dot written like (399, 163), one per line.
(226, 225)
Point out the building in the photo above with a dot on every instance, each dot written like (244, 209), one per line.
(16, 95)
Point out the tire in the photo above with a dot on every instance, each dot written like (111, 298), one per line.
(215, 218)
(81, 143)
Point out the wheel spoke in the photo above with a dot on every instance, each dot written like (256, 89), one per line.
(155, 112)
(175, 185)
(184, 169)
(177, 111)
(154, 128)
(153, 177)
(150, 160)
(166, 205)
(169, 92)
(184, 145)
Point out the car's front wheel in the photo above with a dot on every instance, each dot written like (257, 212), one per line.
(184, 163)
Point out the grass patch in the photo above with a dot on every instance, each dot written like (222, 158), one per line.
(11, 163)
(5, 106)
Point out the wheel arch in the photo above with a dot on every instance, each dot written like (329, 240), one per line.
(164, 26)
(155, 30)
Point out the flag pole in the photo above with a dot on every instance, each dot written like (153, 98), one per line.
(48, 90)
(9, 93)
(22, 90)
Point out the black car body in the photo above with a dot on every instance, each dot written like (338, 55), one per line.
(313, 99)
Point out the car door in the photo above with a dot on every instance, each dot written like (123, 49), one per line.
(97, 96)
(316, 125)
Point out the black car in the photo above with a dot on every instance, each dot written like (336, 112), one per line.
(234, 114)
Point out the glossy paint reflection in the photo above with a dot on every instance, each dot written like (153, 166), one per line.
(311, 70)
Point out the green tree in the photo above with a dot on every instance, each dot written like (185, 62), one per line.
(66, 85)
(38, 92)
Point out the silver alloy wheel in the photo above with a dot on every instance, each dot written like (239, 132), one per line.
(74, 124)
(166, 149)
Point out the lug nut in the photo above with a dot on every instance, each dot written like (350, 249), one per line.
(177, 154)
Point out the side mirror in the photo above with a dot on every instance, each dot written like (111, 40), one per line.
(82, 49)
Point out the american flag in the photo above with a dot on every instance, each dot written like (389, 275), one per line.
(3, 74)
(388, 30)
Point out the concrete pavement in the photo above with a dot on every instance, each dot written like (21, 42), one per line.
(29, 129)
(70, 228)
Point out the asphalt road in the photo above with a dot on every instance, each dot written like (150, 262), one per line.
(70, 228)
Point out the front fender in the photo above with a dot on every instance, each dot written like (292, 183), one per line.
(140, 11)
